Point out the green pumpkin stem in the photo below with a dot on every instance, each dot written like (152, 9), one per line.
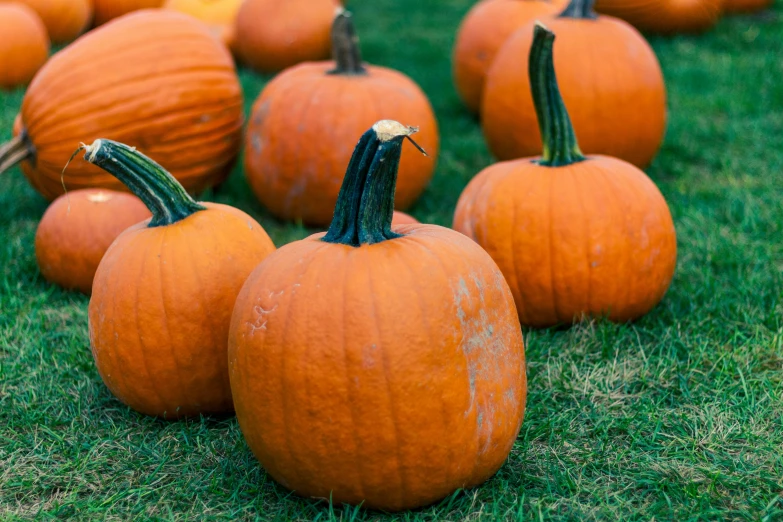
(345, 46)
(557, 132)
(580, 9)
(15, 151)
(365, 206)
(164, 196)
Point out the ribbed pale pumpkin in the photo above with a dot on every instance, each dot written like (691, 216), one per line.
(745, 6)
(24, 45)
(574, 235)
(665, 16)
(106, 10)
(64, 19)
(163, 294)
(155, 79)
(219, 15)
(375, 364)
(296, 148)
(610, 78)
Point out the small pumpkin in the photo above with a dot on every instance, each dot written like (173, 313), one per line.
(483, 32)
(272, 35)
(174, 93)
(164, 291)
(665, 16)
(745, 6)
(24, 46)
(375, 364)
(106, 10)
(77, 229)
(64, 19)
(295, 152)
(574, 235)
(219, 15)
(610, 78)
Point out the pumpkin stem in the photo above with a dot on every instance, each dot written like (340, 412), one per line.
(164, 196)
(580, 9)
(557, 132)
(345, 46)
(15, 151)
(364, 209)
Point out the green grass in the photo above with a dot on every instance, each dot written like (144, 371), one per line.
(676, 417)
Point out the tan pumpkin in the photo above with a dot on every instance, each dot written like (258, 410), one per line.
(24, 46)
(219, 15)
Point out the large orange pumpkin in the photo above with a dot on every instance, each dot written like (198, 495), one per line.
(174, 92)
(220, 15)
(296, 152)
(665, 16)
(375, 364)
(77, 229)
(483, 32)
(272, 35)
(163, 294)
(64, 19)
(24, 47)
(574, 235)
(610, 79)
(106, 10)
(745, 6)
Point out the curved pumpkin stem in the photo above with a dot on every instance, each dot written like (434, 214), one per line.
(345, 46)
(15, 151)
(580, 9)
(557, 132)
(164, 196)
(363, 214)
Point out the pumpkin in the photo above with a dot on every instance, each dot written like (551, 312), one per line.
(77, 229)
(295, 152)
(574, 235)
(745, 6)
(173, 93)
(24, 46)
(106, 10)
(375, 364)
(272, 35)
(610, 79)
(164, 291)
(220, 15)
(665, 16)
(483, 32)
(64, 19)
(401, 218)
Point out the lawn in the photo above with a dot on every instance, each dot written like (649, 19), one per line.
(675, 417)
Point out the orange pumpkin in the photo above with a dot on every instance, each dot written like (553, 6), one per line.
(272, 35)
(401, 218)
(64, 19)
(375, 364)
(610, 79)
(220, 15)
(163, 294)
(106, 10)
(174, 93)
(483, 32)
(574, 235)
(745, 6)
(24, 46)
(665, 16)
(295, 146)
(77, 229)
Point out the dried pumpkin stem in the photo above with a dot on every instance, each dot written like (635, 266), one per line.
(557, 132)
(365, 206)
(164, 196)
(580, 9)
(16, 151)
(345, 46)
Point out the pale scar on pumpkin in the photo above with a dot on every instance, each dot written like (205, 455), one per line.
(100, 197)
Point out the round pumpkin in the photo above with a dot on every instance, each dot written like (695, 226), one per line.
(77, 229)
(574, 235)
(483, 32)
(610, 78)
(106, 10)
(173, 93)
(745, 6)
(295, 145)
(375, 364)
(64, 19)
(24, 46)
(163, 294)
(665, 16)
(272, 35)
(219, 15)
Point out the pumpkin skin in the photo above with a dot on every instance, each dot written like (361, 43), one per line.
(745, 6)
(585, 236)
(298, 176)
(401, 218)
(392, 382)
(163, 295)
(175, 94)
(106, 10)
(220, 15)
(77, 229)
(665, 16)
(483, 32)
(272, 35)
(24, 47)
(610, 79)
(64, 19)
